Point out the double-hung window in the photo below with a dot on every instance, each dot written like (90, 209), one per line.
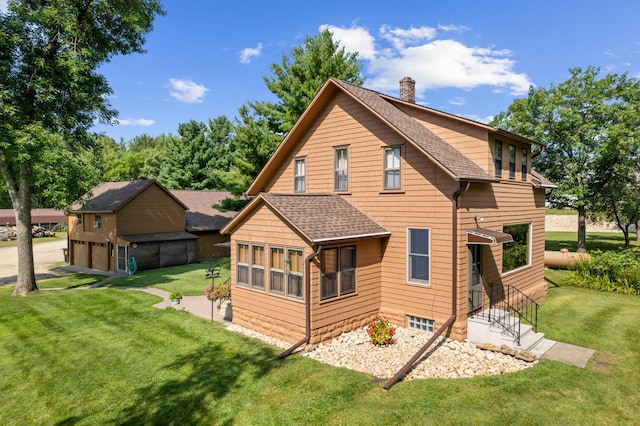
(497, 159)
(512, 162)
(338, 268)
(257, 267)
(295, 275)
(418, 255)
(341, 182)
(523, 164)
(300, 175)
(97, 221)
(276, 271)
(243, 264)
(79, 219)
(392, 168)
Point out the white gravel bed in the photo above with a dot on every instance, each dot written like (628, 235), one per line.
(446, 359)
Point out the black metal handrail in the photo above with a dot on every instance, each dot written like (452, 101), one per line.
(508, 307)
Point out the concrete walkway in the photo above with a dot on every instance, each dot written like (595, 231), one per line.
(569, 354)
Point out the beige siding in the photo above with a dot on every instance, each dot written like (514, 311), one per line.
(423, 201)
(151, 211)
(206, 244)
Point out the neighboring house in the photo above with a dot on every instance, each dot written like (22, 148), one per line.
(136, 219)
(205, 221)
(375, 205)
(51, 219)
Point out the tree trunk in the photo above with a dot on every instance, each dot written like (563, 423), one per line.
(582, 230)
(625, 231)
(21, 200)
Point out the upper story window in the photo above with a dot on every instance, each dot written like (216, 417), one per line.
(418, 255)
(97, 221)
(341, 169)
(497, 159)
(243, 264)
(338, 267)
(523, 163)
(392, 168)
(512, 161)
(517, 254)
(79, 219)
(300, 175)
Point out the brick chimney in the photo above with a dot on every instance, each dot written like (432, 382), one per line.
(408, 90)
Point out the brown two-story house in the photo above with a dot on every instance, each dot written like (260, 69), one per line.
(376, 205)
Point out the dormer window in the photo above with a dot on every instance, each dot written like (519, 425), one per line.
(497, 159)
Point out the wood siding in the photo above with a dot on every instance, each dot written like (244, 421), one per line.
(151, 211)
(425, 200)
(90, 255)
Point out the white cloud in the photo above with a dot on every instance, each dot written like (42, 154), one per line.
(250, 52)
(400, 37)
(354, 39)
(453, 28)
(187, 91)
(144, 122)
(458, 101)
(473, 117)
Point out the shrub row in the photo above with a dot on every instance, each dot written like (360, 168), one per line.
(612, 271)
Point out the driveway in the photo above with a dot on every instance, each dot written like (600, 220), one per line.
(46, 256)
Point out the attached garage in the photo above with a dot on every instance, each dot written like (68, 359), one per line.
(99, 256)
(80, 253)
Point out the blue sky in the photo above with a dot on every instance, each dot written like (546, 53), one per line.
(470, 58)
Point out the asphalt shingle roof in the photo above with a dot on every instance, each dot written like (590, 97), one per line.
(460, 166)
(111, 196)
(323, 217)
(201, 216)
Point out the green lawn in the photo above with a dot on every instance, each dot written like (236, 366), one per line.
(595, 241)
(187, 279)
(108, 357)
(70, 281)
(59, 236)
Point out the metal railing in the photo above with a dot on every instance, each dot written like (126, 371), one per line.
(508, 308)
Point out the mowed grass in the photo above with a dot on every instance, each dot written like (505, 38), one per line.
(190, 280)
(71, 281)
(106, 356)
(595, 241)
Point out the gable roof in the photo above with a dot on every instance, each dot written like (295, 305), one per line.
(110, 197)
(202, 216)
(441, 153)
(317, 218)
(539, 181)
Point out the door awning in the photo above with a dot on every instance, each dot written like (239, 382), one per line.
(487, 236)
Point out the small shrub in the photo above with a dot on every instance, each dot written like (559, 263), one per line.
(381, 331)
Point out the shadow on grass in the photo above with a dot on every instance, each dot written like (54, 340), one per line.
(210, 373)
(595, 241)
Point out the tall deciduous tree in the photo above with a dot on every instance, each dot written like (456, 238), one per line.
(575, 119)
(51, 92)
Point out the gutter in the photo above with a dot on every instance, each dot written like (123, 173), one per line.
(307, 304)
(454, 295)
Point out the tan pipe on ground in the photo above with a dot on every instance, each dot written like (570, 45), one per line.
(561, 259)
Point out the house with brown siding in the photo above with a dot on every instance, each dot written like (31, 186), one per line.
(374, 205)
(142, 220)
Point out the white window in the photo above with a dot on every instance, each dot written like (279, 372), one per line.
(421, 324)
(341, 183)
(418, 255)
(392, 168)
(300, 175)
(97, 221)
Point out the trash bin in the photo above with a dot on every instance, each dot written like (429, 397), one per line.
(65, 252)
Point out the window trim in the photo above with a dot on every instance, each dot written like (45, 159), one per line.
(512, 161)
(289, 273)
(243, 264)
(97, 221)
(78, 219)
(300, 178)
(497, 158)
(524, 164)
(255, 267)
(282, 271)
(422, 324)
(336, 170)
(529, 249)
(410, 279)
(387, 169)
(339, 272)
